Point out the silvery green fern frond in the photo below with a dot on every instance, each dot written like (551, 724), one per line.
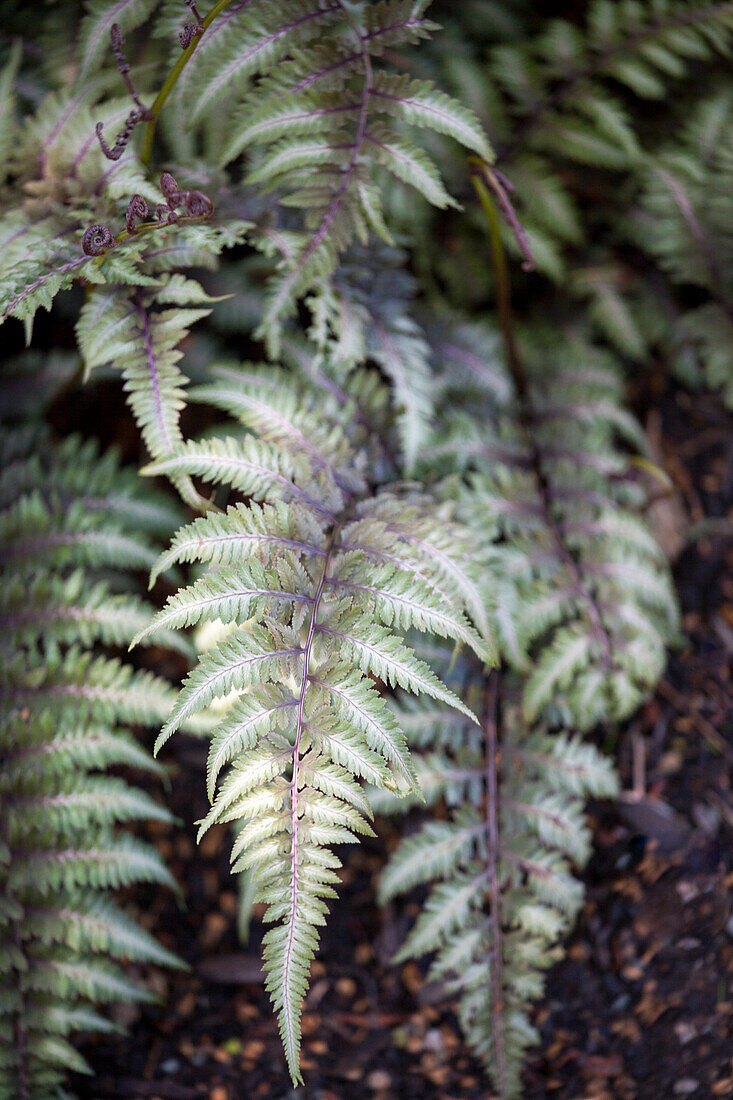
(321, 116)
(500, 868)
(586, 607)
(320, 574)
(65, 707)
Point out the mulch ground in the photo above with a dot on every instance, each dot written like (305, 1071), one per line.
(642, 1004)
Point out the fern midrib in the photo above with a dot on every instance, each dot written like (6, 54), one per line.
(492, 822)
(399, 600)
(225, 74)
(74, 538)
(185, 547)
(147, 335)
(527, 415)
(451, 568)
(234, 594)
(24, 293)
(296, 439)
(390, 559)
(361, 133)
(251, 659)
(311, 79)
(300, 722)
(102, 615)
(684, 205)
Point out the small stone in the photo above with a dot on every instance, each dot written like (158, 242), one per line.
(215, 925)
(253, 1049)
(186, 1005)
(310, 1023)
(433, 1040)
(363, 954)
(685, 1086)
(687, 891)
(379, 1079)
(707, 817)
(685, 1032)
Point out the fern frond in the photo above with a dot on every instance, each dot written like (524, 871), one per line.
(586, 607)
(316, 624)
(367, 316)
(317, 112)
(683, 222)
(561, 96)
(503, 891)
(62, 941)
(97, 23)
(125, 328)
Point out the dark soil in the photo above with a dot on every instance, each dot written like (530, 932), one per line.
(641, 1006)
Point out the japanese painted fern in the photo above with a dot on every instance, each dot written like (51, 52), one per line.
(501, 866)
(585, 605)
(584, 610)
(322, 571)
(73, 525)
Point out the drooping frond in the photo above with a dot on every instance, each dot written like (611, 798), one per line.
(586, 607)
(321, 575)
(139, 330)
(64, 705)
(500, 868)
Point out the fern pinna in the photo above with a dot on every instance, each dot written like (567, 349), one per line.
(321, 572)
(501, 866)
(73, 525)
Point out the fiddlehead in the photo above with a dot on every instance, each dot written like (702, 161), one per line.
(140, 112)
